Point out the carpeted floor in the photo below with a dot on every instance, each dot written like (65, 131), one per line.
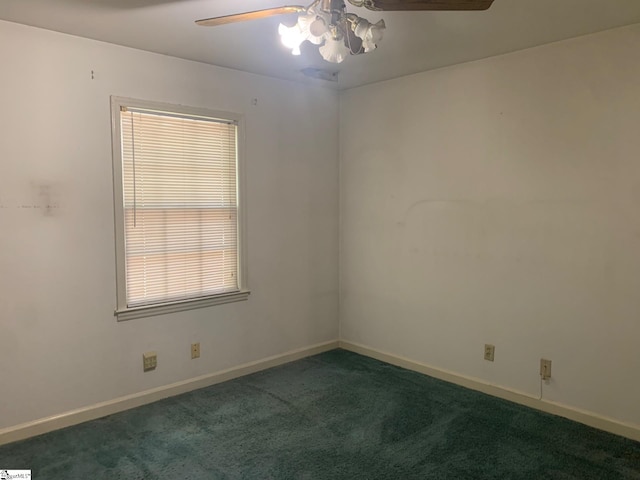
(337, 415)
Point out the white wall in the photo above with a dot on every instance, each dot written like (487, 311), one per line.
(497, 202)
(61, 347)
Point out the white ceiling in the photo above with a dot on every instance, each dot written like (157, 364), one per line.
(414, 41)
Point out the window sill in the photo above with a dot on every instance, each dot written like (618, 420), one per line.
(164, 308)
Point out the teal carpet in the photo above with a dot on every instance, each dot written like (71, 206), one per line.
(333, 416)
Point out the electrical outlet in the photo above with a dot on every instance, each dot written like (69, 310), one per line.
(545, 368)
(149, 361)
(195, 350)
(489, 352)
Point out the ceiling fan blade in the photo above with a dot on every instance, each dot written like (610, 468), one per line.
(398, 5)
(255, 15)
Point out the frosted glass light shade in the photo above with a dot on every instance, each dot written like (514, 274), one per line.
(370, 34)
(318, 27)
(334, 50)
(376, 31)
(312, 27)
(291, 37)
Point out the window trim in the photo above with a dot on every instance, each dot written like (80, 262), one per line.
(122, 312)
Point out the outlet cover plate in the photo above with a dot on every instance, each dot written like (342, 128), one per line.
(545, 368)
(149, 361)
(195, 350)
(489, 352)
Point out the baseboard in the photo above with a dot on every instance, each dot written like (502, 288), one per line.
(74, 417)
(582, 416)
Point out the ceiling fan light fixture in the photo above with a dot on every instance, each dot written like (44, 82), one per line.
(334, 30)
(328, 22)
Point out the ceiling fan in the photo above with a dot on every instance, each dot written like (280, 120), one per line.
(338, 33)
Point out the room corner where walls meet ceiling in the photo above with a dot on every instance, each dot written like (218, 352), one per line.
(413, 41)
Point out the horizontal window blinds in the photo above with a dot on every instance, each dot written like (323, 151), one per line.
(180, 206)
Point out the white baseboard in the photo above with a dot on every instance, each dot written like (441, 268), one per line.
(582, 416)
(74, 417)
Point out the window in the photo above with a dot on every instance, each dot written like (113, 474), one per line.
(178, 208)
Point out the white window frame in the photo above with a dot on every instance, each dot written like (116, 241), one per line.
(123, 312)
